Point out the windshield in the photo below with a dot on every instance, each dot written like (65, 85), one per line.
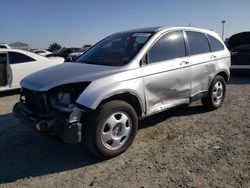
(115, 50)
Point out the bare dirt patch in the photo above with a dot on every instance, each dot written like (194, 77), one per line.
(187, 147)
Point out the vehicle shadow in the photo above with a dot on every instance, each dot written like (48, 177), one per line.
(8, 93)
(174, 112)
(27, 153)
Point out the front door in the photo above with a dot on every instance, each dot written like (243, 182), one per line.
(167, 74)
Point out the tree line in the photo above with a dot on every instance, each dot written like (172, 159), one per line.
(55, 46)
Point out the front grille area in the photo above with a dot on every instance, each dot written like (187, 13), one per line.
(35, 101)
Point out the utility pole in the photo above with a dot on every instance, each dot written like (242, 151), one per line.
(222, 34)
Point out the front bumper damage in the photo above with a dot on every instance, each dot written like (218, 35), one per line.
(66, 125)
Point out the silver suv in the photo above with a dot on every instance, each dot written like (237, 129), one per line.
(125, 77)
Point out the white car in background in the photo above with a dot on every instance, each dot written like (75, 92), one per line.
(5, 46)
(42, 52)
(16, 64)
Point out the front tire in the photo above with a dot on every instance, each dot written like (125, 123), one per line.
(216, 94)
(111, 129)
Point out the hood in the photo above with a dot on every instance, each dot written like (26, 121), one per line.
(65, 74)
(239, 39)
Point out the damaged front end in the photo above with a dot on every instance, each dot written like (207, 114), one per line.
(53, 112)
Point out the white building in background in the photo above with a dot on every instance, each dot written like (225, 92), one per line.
(19, 45)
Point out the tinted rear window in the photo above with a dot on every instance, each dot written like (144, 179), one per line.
(198, 43)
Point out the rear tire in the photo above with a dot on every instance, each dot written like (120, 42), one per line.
(216, 94)
(111, 129)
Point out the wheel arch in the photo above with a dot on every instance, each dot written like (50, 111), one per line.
(224, 75)
(128, 97)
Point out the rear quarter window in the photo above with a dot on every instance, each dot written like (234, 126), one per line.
(197, 42)
(215, 44)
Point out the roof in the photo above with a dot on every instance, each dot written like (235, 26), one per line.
(161, 28)
(147, 29)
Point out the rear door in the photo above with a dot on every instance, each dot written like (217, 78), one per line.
(202, 61)
(167, 74)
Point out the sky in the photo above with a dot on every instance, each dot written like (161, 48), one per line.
(73, 23)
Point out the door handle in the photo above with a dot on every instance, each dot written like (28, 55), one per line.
(212, 56)
(184, 63)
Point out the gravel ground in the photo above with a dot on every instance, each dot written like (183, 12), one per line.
(182, 147)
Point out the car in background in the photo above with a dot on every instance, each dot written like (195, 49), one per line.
(16, 64)
(73, 56)
(123, 78)
(239, 46)
(4, 46)
(63, 52)
(42, 52)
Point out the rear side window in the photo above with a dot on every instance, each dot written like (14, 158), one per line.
(169, 46)
(198, 43)
(16, 57)
(215, 44)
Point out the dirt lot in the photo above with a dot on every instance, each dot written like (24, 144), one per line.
(184, 147)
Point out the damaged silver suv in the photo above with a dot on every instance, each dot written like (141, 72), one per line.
(125, 77)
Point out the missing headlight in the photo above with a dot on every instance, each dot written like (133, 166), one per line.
(64, 98)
